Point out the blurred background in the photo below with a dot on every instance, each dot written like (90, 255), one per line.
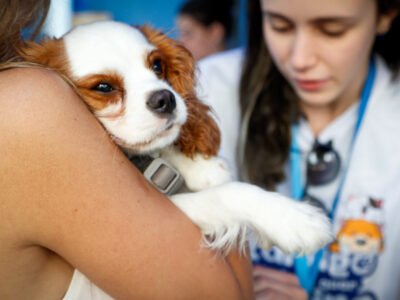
(159, 13)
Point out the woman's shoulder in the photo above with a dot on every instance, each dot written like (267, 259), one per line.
(33, 93)
(25, 72)
(24, 82)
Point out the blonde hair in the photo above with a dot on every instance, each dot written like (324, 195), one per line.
(16, 15)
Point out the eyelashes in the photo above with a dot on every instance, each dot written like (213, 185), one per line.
(325, 31)
(329, 27)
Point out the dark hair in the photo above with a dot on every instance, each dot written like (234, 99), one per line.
(387, 45)
(207, 12)
(269, 105)
(15, 15)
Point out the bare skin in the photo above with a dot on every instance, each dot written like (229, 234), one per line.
(273, 284)
(70, 199)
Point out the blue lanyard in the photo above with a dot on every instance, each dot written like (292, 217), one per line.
(308, 274)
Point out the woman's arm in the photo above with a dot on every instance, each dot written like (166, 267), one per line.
(76, 194)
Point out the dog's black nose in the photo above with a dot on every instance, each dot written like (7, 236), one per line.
(162, 102)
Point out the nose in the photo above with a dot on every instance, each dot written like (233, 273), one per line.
(161, 102)
(303, 54)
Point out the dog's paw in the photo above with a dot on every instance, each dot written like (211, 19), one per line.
(206, 173)
(303, 229)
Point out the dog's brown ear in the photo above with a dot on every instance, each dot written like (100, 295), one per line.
(200, 133)
(49, 52)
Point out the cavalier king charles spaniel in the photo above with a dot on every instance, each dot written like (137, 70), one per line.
(140, 84)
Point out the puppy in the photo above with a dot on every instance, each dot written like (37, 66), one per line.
(140, 85)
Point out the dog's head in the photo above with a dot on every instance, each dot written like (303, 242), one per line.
(138, 82)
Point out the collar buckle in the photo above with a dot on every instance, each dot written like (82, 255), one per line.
(163, 176)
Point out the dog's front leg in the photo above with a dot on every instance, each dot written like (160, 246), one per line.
(226, 213)
(199, 172)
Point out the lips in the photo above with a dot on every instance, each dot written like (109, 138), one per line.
(310, 85)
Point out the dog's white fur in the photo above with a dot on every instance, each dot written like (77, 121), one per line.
(224, 211)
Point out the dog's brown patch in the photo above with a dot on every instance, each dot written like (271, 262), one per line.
(50, 53)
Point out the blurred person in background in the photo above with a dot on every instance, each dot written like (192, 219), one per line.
(205, 26)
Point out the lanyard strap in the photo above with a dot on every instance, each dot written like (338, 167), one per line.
(308, 274)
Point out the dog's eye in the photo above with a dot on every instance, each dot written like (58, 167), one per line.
(103, 87)
(157, 67)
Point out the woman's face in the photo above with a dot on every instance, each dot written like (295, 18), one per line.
(322, 47)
